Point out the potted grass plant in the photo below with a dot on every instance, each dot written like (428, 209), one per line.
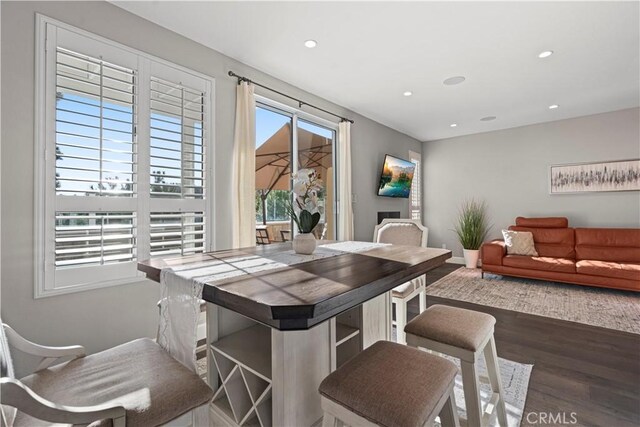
(472, 226)
(304, 209)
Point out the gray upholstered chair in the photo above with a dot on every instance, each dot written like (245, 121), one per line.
(408, 232)
(136, 383)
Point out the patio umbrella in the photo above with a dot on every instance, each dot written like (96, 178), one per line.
(273, 160)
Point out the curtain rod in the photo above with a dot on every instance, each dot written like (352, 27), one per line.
(300, 102)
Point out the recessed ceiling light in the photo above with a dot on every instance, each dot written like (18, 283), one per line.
(454, 80)
(545, 54)
(311, 44)
(408, 93)
(553, 107)
(453, 125)
(488, 118)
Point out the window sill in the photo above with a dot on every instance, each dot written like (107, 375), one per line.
(46, 293)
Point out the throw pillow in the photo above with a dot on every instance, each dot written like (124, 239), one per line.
(519, 243)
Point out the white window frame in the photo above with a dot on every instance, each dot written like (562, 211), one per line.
(75, 279)
(413, 158)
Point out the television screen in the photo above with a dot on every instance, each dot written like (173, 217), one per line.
(396, 177)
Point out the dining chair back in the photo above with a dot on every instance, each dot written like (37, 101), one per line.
(409, 232)
(136, 383)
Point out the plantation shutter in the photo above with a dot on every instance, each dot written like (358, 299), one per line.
(416, 186)
(95, 166)
(120, 163)
(176, 233)
(177, 163)
(95, 118)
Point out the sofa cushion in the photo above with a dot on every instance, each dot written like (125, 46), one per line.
(152, 386)
(549, 222)
(519, 243)
(551, 242)
(563, 265)
(579, 279)
(608, 244)
(609, 269)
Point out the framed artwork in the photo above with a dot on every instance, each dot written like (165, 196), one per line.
(618, 175)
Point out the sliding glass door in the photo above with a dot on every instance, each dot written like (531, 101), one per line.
(287, 141)
(315, 150)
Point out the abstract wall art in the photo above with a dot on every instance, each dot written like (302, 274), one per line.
(619, 175)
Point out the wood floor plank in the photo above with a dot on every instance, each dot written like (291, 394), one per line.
(591, 371)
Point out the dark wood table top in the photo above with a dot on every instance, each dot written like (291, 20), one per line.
(302, 295)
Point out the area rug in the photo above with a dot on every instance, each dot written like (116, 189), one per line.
(601, 307)
(515, 381)
(201, 367)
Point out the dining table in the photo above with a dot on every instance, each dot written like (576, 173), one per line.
(274, 333)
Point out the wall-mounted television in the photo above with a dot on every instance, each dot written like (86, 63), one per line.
(396, 177)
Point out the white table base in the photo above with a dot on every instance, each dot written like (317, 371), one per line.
(282, 391)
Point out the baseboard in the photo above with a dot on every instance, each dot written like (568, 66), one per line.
(456, 260)
(460, 260)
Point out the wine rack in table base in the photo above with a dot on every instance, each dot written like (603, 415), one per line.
(242, 360)
(243, 363)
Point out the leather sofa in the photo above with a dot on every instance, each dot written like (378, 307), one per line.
(603, 257)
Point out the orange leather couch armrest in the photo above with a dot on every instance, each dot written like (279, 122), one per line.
(493, 252)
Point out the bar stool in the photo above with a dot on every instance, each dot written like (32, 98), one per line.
(464, 334)
(390, 384)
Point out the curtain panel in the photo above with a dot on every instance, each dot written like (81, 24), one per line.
(345, 208)
(244, 167)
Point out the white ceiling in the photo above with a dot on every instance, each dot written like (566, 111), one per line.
(369, 53)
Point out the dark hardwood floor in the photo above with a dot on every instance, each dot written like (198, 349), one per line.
(591, 372)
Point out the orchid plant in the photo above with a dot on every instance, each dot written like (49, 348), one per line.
(304, 208)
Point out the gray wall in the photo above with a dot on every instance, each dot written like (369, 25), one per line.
(103, 318)
(366, 162)
(509, 170)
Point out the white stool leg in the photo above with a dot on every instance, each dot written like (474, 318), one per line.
(328, 420)
(471, 387)
(449, 412)
(401, 321)
(493, 369)
(423, 299)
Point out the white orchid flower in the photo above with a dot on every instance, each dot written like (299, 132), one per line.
(299, 187)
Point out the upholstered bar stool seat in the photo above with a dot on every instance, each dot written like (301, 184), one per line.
(457, 327)
(389, 384)
(464, 334)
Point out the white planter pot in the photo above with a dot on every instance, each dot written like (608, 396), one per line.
(471, 257)
(304, 243)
